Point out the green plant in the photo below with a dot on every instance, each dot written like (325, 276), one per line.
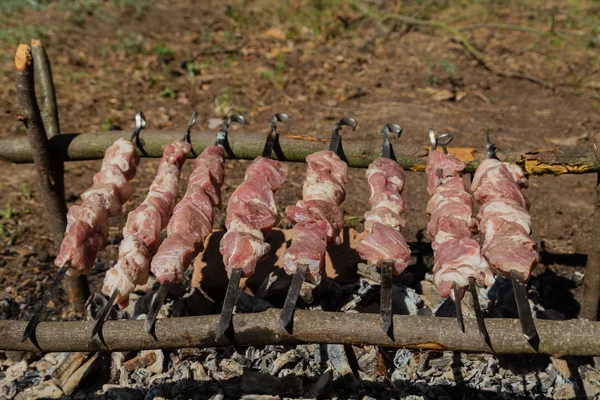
(106, 125)
(193, 69)
(448, 66)
(162, 50)
(24, 191)
(8, 212)
(168, 92)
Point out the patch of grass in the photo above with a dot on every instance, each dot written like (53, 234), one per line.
(24, 191)
(223, 102)
(275, 75)
(8, 212)
(24, 33)
(193, 69)
(106, 125)
(162, 50)
(13, 6)
(168, 92)
(448, 66)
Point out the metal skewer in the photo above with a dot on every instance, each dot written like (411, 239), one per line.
(300, 275)
(386, 307)
(38, 313)
(518, 282)
(140, 123)
(233, 287)
(161, 295)
(163, 290)
(479, 314)
(458, 305)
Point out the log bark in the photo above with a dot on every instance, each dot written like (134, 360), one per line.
(359, 153)
(572, 337)
(77, 287)
(591, 279)
(51, 194)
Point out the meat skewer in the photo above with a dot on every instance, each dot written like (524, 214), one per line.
(384, 245)
(318, 218)
(192, 220)
(458, 262)
(506, 225)
(87, 223)
(251, 214)
(142, 229)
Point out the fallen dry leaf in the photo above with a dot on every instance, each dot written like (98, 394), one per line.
(276, 33)
(443, 95)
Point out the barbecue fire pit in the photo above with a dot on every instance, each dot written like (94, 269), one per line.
(261, 331)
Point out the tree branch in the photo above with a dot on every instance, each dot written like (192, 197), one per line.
(572, 337)
(359, 152)
(48, 175)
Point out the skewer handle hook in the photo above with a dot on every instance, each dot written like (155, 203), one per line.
(443, 140)
(222, 134)
(273, 134)
(336, 139)
(140, 123)
(386, 148)
(188, 131)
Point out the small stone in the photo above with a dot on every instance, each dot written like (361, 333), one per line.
(46, 390)
(198, 372)
(231, 369)
(282, 360)
(158, 366)
(16, 371)
(402, 357)
(565, 392)
(82, 372)
(67, 367)
(141, 361)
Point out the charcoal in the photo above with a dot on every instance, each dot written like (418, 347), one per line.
(158, 366)
(16, 371)
(229, 369)
(591, 380)
(251, 304)
(68, 366)
(83, 372)
(125, 393)
(198, 372)
(261, 383)
(143, 360)
(140, 376)
(564, 392)
(403, 357)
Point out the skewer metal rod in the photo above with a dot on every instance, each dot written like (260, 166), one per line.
(248, 145)
(385, 304)
(38, 313)
(571, 337)
(527, 323)
(478, 313)
(157, 303)
(233, 288)
(287, 314)
(104, 313)
(458, 304)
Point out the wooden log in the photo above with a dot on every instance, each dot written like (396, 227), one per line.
(51, 195)
(76, 287)
(572, 337)
(359, 152)
(591, 279)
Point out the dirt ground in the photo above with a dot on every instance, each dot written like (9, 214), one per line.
(527, 71)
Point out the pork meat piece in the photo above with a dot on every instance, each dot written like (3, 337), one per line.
(455, 261)
(252, 191)
(272, 171)
(243, 246)
(116, 278)
(108, 192)
(113, 174)
(176, 152)
(213, 157)
(328, 163)
(189, 220)
(145, 223)
(324, 188)
(385, 175)
(80, 246)
(122, 154)
(449, 165)
(511, 248)
(319, 210)
(392, 201)
(452, 190)
(495, 211)
(93, 212)
(176, 253)
(385, 243)
(385, 216)
(515, 172)
(308, 247)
